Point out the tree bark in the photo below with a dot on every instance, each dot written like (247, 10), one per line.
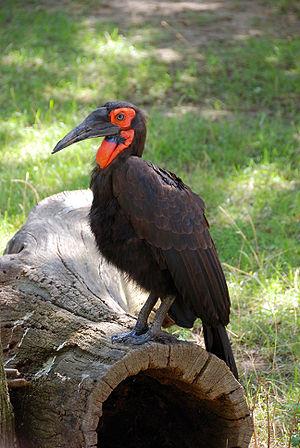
(60, 302)
(7, 429)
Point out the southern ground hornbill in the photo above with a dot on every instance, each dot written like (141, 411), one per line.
(149, 224)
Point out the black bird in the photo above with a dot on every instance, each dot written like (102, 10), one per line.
(149, 224)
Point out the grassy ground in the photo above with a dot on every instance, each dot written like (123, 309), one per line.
(222, 91)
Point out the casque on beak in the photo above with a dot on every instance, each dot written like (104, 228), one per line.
(96, 124)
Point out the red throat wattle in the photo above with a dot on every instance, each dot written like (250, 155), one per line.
(110, 148)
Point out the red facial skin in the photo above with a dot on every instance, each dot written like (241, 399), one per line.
(109, 150)
(125, 123)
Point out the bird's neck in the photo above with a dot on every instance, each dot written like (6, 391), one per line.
(101, 184)
(138, 144)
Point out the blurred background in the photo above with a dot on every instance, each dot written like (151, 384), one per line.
(220, 82)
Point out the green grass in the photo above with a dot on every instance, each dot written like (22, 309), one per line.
(227, 122)
(284, 6)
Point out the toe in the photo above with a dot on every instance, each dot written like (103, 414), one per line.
(123, 337)
(142, 339)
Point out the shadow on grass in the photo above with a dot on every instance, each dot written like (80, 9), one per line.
(69, 61)
(41, 52)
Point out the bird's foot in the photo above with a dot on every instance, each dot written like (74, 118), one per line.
(139, 339)
(128, 337)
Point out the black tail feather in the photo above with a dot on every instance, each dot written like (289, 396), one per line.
(217, 342)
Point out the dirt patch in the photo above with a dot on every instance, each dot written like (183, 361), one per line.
(193, 22)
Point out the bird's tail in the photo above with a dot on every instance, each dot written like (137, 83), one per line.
(217, 342)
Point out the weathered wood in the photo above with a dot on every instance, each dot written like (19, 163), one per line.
(60, 302)
(7, 428)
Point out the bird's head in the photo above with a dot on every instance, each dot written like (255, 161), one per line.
(121, 123)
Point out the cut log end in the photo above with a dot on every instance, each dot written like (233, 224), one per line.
(175, 395)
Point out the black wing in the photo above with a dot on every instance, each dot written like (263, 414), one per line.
(170, 217)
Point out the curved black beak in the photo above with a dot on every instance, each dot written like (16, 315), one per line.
(97, 124)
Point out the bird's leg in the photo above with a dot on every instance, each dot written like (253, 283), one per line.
(141, 325)
(161, 315)
(155, 329)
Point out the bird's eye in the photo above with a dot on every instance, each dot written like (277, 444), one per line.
(120, 117)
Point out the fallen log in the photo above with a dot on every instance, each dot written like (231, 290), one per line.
(60, 302)
(7, 428)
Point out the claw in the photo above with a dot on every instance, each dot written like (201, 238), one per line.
(136, 338)
(142, 338)
(123, 337)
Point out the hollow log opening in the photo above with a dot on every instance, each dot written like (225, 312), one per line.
(142, 411)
